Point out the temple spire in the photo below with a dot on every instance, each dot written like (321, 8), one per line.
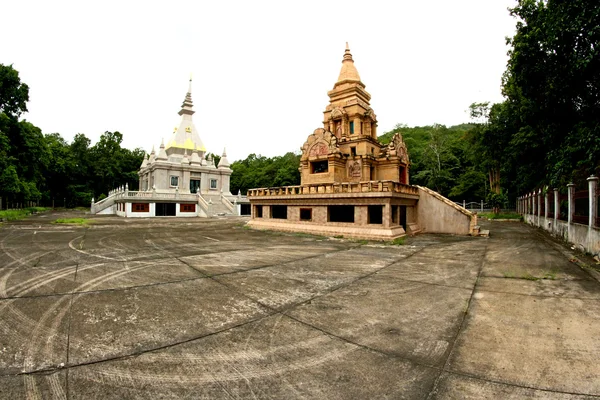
(348, 71)
(186, 107)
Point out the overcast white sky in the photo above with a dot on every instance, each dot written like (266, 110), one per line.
(261, 69)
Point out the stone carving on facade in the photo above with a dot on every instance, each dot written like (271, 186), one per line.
(397, 148)
(320, 143)
(355, 169)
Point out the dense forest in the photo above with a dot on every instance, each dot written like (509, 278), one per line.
(545, 134)
(46, 169)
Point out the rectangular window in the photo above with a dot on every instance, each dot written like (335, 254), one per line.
(213, 183)
(174, 181)
(340, 213)
(375, 215)
(318, 167)
(353, 151)
(187, 208)
(279, 212)
(351, 127)
(140, 207)
(306, 214)
(258, 212)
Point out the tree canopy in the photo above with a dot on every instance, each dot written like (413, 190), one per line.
(47, 169)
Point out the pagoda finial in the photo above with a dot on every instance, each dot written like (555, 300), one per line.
(190, 85)
(347, 54)
(348, 72)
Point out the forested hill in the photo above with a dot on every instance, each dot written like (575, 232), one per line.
(444, 159)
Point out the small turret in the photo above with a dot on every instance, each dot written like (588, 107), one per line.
(162, 154)
(224, 162)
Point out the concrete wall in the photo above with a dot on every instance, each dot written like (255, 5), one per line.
(437, 214)
(582, 236)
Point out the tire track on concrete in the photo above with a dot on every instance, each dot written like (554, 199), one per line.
(33, 348)
(158, 348)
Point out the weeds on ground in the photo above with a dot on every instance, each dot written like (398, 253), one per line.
(398, 241)
(501, 216)
(338, 237)
(72, 221)
(530, 277)
(11, 215)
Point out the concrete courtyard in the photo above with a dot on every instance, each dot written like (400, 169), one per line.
(206, 309)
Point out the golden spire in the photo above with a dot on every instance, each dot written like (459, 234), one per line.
(348, 72)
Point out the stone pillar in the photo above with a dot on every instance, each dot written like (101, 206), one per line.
(387, 215)
(534, 203)
(546, 204)
(556, 206)
(357, 126)
(571, 187)
(592, 187)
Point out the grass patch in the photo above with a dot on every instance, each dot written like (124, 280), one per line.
(508, 215)
(338, 237)
(11, 215)
(72, 221)
(530, 277)
(362, 241)
(501, 216)
(398, 241)
(550, 275)
(508, 275)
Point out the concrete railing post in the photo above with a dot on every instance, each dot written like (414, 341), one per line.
(546, 204)
(571, 187)
(539, 205)
(534, 201)
(556, 206)
(592, 187)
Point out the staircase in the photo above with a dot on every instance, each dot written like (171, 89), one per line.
(216, 206)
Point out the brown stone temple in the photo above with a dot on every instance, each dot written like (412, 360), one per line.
(352, 185)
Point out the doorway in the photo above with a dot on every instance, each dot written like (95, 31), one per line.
(403, 217)
(165, 209)
(194, 185)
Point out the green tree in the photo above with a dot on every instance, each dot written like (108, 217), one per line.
(552, 89)
(14, 95)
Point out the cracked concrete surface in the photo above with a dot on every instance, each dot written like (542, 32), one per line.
(178, 308)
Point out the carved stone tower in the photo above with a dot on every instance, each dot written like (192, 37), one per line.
(346, 149)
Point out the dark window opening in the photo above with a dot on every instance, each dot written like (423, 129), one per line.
(375, 215)
(372, 174)
(244, 209)
(340, 213)
(279, 212)
(394, 214)
(352, 127)
(306, 214)
(319, 166)
(258, 212)
(353, 151)
(402, 174)
(403, 216)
